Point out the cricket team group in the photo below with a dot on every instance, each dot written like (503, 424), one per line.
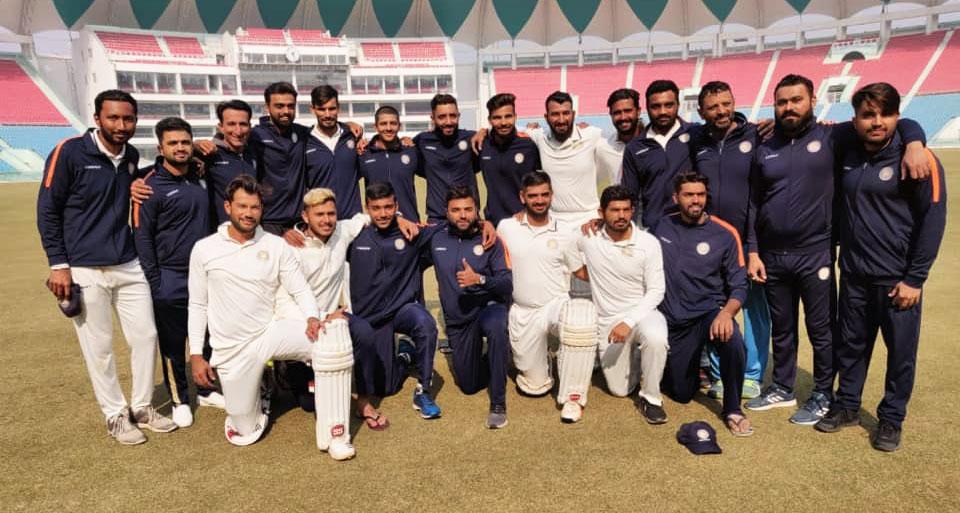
(253, 263)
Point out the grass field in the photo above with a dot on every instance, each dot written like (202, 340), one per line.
(56, 456)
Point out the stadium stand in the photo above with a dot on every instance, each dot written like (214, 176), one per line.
(17, 85)
(744, 73)
(840, 112)
(378, 52)
(808, 62)
(303, 37)
(530, 85)
(945, 76)
(262, 36)
(592, 85)
(422, 52)
(130, 44)
(679, 71)
(901, 63)
(40, 139)
(184, 46)
(933, 112)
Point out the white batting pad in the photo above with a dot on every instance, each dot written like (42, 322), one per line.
(578, 350)
(332, 368)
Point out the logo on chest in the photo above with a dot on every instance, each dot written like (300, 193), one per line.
(703, 248)
(886, 174)
(518, 158)
(462, 145)
(552, 244)
(478, 250)
(813, 146)
(263, 256)
(745, 146)
(405, 159)
(399, 244)
(351, 144)
(684, 138)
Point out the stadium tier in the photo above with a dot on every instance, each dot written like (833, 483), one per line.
(266, 37)
(530, 85)
(592, 84)
(807, 62)
(422, 52)
(933, 112)
(945, 77)
(679, 71)
(903, 59)
(184, 46)
(378, 52)
(743, 72)
(39, 139)
(302, 37)
(130, 44)
(16, 85)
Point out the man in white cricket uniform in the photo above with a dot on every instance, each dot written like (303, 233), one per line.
(235, 275)
(544, 258)
(625, 269)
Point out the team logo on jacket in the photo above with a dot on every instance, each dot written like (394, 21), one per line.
(263, 255)
(746, 146)
(823, 273)
(518, 158)
(405, 159)
(684, 138)
(886, 173)
(478, 250)
(399, 244)
(351, 144)
(813, 146)
(462, 145)
(703, 248)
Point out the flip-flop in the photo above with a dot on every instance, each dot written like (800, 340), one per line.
(735, 429)
(376, 420)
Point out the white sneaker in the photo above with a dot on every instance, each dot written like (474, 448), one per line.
(182, 416)
(120, 427)
(213, 399)
(571, 412)
(341, 450)
(150, 418)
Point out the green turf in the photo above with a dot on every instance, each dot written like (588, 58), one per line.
(56, 456)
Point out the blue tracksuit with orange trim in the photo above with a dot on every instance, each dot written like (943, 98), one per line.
(707, 270)
(475, 312)
(281, 170)
(166, 226)
(221, 168)
(385, 287)
(649, 170)
(84, 205)
(790, 225)
(396, 165)
(336, 170)
(503, 165)
(890, 231)
(445, 163)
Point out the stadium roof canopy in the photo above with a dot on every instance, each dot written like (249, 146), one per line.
(475, 22)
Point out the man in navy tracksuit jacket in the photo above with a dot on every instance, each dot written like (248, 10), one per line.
(475, 286)
(166, 226)
(280, 155)
(706, 285)
(385, 290)
(446, 157)
(222, 167)
(331, 154)
(505, 157)
(890, 231)
(790, 242)
(391, 162)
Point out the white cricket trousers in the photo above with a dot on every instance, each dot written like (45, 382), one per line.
(240, 368)
(124, 289)
(530, 328)
(648, 341)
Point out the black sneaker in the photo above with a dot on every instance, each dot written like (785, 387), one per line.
(836, 419)
(886, 438)
(652, 413)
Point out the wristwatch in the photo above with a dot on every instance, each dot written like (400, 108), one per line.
(483, 280)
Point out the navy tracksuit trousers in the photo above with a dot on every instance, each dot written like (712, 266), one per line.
(474, 371)
(378, 369)
(171, 321)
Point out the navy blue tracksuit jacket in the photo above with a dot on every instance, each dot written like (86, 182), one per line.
(445, 166)
(280, 169)
(398, 167)
(221, 168)
(503, 166)
(649, 170)
(83, 206)
(336, 170)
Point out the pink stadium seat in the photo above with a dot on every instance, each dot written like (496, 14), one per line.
(744, 73)
(530, 85)
(901, 63)
(184, 46)
(807, 62)
(16, 86)
(593, 84)
(679, 71)
(945, 76)
(420, 52)
(379, 52)
(130, 44)
(302, 37)
(262, 36)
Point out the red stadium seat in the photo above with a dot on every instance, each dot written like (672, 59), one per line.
(807, 62)
(303, 37)
(744, 73)
(130, 44)
(679, 71)
(378, 52)
(901, 62)
(945, 76)
(184, 46)
(531, 86)
(422, 52)
(593, 84)
(16, 86)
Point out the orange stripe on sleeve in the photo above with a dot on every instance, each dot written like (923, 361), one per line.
(736, 237)
(934, 175)
(53, 163)
(136, 215)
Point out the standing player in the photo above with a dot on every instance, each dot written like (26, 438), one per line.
(505, 158)
(706, 284)
(331, 154)
(82, 212)
(166, 226)
(890, 231)
(543, 258)
(235, 275)
(625, 269)
(445, 156)
(624, 107)
(387, 159)
(233, 156)
(475, 286)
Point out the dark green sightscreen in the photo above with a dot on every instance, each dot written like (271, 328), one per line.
(276, 13)
(648, 11)
(451, 14)
(335, 14)
(579, 12)
(514, 14)
(214, 12)
(71, 10)
(391, 14)
(720, 8)
(148, 12)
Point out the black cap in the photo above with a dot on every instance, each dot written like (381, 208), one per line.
(73, 306)
(698, 437)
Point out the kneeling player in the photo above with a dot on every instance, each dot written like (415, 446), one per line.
(706, 284)
(234, 278)
(543, 257)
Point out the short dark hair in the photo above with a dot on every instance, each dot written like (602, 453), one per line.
(460, 192)
(713, 87)
(881, 94)
(792, 80)
(171, 124)
(247, 183)
(322, 94)
(441, 99)
(685, 177)
(624, 94)
(379, 190)
(385, 109)
(113, 95)
(661, 86)
(533, 178)
(279, 88)
(234, 105)
(501, 100)
(617, 193)
(558, 97)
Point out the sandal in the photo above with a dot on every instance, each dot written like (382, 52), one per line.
(734, 423)
(374, 421)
